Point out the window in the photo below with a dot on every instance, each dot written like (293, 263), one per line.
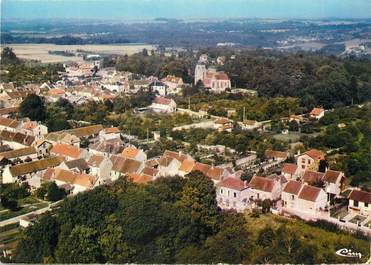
(234, 194)
(221, 191)
(303, 160)
(302, 166)
(228, 193)
(366, 204)
(257, 195)
(292, 197)
(308, 161)
(355, 203)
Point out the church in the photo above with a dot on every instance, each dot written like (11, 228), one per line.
(216, 81)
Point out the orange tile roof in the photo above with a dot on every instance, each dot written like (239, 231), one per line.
(130, 152)
(316, 111)
(315, 154)
(202, 168)
(111, 130)
(187, 165)
(150, 171)
(66, 150)
(140, 178)
(56, 91)
(84, 180)
(215, 173)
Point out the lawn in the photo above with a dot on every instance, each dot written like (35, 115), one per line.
(357, 219)
(9, 235)
(324, 240)
(290, 137)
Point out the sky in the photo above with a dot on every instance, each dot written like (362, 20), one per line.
(184, 9)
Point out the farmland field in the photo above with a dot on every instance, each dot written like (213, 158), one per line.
(40, 51)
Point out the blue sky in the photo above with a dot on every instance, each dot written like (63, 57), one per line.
(147, 9)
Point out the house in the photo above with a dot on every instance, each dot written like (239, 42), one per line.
(163, 105)
(300, 197)
(317, 113)
(9, 124)
(140, 178)
(217, 174)
(122, 166)
(16, 140)
(168, 166)
(169, 163)
(85, 132)
(186, 167)
(174, 84)
(134, 153)
(100, 166)
(25, 171)
(334, 181)
(249, 125)
(265, 188)
(78, 165)
(290, 171)
(62, 138)
(26, 154)
(278, 156)
(79, 182)
(159, 87)
(150, 171)
(69, 152)
(43, 147)
(110, 133)
(290, 194)
(360, 202)
(34, 128)
(311, 199)
(223, 124)
(313, 177)
(107, 147)
(310, 160)
(233, 193)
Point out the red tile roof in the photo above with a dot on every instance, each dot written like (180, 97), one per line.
(275, 154)
(309, 193)
(331, 176)
(233, 183)
(111, 130)
(293, 187)
(162, 101)
(261, 183)
(361, 196)
(289, 168)
(312, 176)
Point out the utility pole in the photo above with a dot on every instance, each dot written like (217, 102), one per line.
(244, 114)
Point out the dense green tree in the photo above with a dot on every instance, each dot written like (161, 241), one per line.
(33, 107)
(80, 246)
(38, 241)
(8, 56)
